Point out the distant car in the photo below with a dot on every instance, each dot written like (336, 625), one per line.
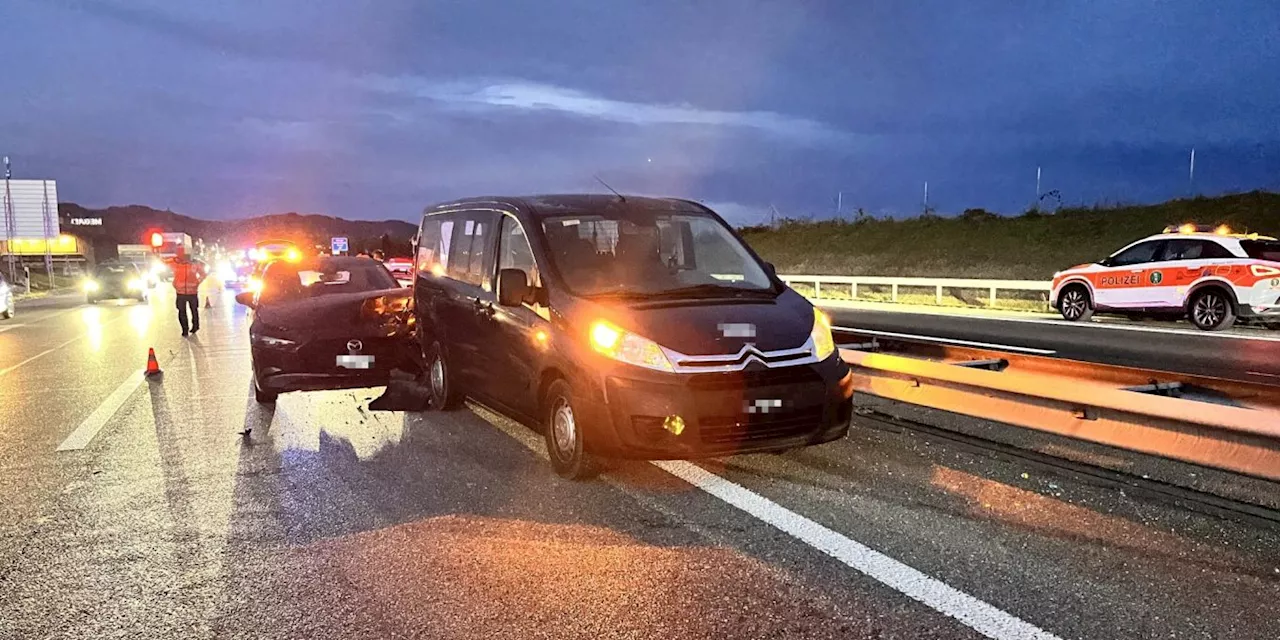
(1210, 276)
(7, 306)
(112, 280)
(327, 323)
(402, 269)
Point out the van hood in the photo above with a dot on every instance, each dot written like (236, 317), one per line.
(714, 327)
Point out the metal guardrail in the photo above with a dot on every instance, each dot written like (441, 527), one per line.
(851, 284)
(1222, 424)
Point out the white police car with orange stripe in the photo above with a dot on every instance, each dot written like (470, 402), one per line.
(1211, 276)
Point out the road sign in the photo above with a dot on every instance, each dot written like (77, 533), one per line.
(339, 245)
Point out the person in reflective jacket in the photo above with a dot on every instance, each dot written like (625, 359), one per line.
(187, 276)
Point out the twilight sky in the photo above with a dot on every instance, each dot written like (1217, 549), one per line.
(373, 109)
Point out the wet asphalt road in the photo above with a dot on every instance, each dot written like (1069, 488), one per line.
(329, 521)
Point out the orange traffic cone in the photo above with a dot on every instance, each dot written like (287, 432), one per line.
(208, 304)
(153, 367)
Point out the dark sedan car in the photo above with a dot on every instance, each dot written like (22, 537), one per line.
(328, 323)
(112, 280)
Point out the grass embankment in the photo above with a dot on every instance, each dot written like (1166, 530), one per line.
(41, 285)
(978, 244)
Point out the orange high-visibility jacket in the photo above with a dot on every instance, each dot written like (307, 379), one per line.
(187, 276)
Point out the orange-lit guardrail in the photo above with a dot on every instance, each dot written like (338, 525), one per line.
(1240, 432)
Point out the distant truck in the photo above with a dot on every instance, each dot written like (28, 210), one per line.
(172, 241)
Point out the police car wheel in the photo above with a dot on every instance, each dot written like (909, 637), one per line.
(563, 434)
(1074, 304)
(1211, 310)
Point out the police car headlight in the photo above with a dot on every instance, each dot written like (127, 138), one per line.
(824, 344)
(619, 344)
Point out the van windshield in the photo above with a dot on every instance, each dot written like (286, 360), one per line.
(652, 255)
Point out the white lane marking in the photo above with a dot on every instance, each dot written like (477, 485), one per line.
(937, 595)
(83, 435)
(962, 343)
(40, 355)
(931, 592)
(9, 327)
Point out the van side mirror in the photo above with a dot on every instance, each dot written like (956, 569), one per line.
(513, 287)
(246, 299)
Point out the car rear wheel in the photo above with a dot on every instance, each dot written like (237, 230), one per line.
(564, 436)
(1211, 310)
(445, 393)
(1074, 304)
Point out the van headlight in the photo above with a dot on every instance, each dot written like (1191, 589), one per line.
(91, 285)
(824, 344)
(135, 284)
(614, 342)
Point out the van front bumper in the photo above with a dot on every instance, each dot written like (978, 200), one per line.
(761, 409)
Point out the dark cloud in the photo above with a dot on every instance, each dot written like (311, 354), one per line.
(371, 110)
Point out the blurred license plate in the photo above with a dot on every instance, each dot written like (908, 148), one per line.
(355, 362)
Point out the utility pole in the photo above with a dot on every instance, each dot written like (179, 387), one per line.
(1191, 174)
(839, 202)
(10, 221)
(926, 197)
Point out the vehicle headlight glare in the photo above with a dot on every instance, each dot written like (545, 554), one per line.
(91, 285)
(611, 341)
(135, 284)
(824, 344)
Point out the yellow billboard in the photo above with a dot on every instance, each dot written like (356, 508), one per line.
(63, 245)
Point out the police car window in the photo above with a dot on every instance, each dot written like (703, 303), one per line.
(1136, 254)
(1261, 249)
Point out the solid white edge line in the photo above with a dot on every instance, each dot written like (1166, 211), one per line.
(937, 595)
(962, 343)
(84, 434)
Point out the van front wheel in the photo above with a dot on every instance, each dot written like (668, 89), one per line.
(445, 394)
(564, 436)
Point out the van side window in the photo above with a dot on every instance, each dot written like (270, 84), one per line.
(514, 251)
(472, 237)
(433, 243)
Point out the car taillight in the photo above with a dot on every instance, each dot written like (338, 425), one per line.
(1262, 271)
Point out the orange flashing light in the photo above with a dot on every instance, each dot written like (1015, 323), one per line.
(1187, 228)
(157, 240)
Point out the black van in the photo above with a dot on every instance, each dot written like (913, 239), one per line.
(622, 327)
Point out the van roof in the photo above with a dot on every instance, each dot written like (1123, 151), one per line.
(561, 204)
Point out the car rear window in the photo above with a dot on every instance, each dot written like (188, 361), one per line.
(289, 282)
(1262, 249)
(111, 270)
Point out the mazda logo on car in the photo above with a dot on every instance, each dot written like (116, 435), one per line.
(354, 346)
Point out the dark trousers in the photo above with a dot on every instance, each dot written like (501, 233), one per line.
(189, 302)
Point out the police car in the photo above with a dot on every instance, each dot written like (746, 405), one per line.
(1210, 276)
